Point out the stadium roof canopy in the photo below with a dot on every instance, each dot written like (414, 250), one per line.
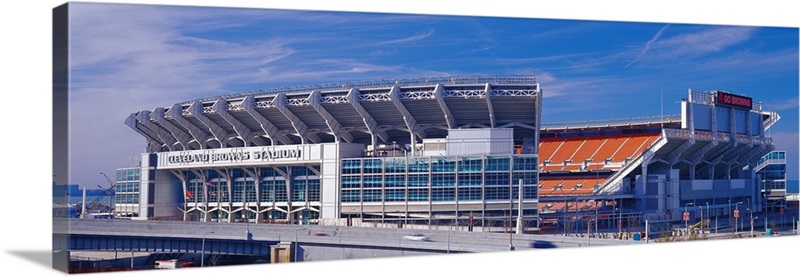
(383, 111)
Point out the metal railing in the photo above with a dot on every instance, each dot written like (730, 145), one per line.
(614, 122)
(452, 80)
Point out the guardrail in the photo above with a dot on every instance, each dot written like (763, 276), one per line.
(452, 80)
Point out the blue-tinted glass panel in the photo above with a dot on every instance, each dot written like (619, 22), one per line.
(351, 166)
(420, 164)
(497, 179)
(469, 193)
(417, 194)
(395, 195)
(395, 181)
(443, 194)
(373, 195)
(443, 164)
(395, 165)
(443, 180)
(351, 182)
(470, 164)
(497, 163)
(497, 193)
(373, 166)
(418, 180)
(373, 181)
(470, 179)
(351, 196)
(525, 163)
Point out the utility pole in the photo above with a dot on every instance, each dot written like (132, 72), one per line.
(519, 207)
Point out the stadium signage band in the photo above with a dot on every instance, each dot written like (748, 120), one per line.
(732, 100)
(230, 156)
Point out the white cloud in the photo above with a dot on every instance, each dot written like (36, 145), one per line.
(128, 58)
(647, 45)
(694, 44)
(415, 37)
(787, 104)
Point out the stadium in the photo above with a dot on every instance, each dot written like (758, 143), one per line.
(462, 150)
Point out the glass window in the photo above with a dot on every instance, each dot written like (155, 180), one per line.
(351, 196)
(525, 163)
(443, 194)
(443, 180)
(194, 191)
(395, 181)
(313, 189)
(443, 164)
(470, 179)
(351, 181)
(351, 166)
(418, 180)
(373, 195)
(470, 164)
(373, 181)
(469, 193)
(497, 179)
(420, 164)
(417, 194)
(497, 193)
(373, 166)
(497, 163)
(273, 189)
(395, 195)
(396, 165)
(299, 189)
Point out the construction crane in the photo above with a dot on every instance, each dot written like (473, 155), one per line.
(106, 192)
(109, 191)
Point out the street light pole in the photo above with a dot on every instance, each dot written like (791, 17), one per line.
(750, 216)
(701, 219)
(595, 218)
(296, 243)
(619, 222)
(708, 215)
(736, 219)
(730, 214)
(244, 208)
(449, 231)
(203, 249)
(588, 232)
(708, 212)
(686, 218)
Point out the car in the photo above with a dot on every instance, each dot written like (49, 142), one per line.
(417, 237)
(542, 244)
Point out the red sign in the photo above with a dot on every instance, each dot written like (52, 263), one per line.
(733, 100)
(736, 213)
(685, 215)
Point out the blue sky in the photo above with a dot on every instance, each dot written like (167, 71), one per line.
(127, 58)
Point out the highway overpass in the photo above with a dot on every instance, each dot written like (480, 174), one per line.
(314, 242)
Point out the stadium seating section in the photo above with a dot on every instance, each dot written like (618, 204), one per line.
(605, 152)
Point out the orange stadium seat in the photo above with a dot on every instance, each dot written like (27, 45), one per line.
(609, 147)
(629, 148)
(566, 149)
(587, 150)
(548, 146)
